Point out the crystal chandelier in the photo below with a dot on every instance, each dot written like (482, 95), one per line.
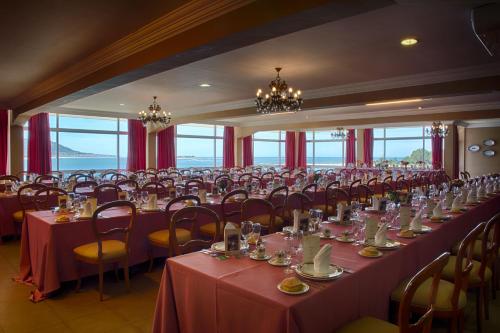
(339, 133)
(438, 129)
(281, 98)
(154, 119)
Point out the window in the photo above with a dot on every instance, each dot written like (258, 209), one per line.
(80, 142)
(396, 144)
(199, 145)
(269, 148)
(323, 151)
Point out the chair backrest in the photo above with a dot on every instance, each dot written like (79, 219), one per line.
(363, 194)
(298, 201)
(352, 187)
(10, 178)
(386, 188)
(174, 174)
(26, 195)
(128, 184)
(77, 176)
(106, 193)
(118, 177)
(372, 183)
(85, 186)
(333, 197)
(181, 199)
(244, 177)
(224, 178)
(43, 178)
(108, 175)
(44, 198)
(228, 203)
(310, 190)
(278, 198)
(190, 216)
(267, 176)
(125, 231)
(155, 187)
(193, 183)
(285, 174)
(167, 181)
(424, 323)
(490, 244)
(387, 179)
(254, 206)
(400, 177)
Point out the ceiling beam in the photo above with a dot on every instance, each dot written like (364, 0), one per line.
(191, 32)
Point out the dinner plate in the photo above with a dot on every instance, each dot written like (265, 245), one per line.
(400, 236)
(344, 240)
(273, 262)
(440, 219)
(304, 290)
(264, 258)
(307, 271)
(157, 209)
(390, 244)
(322, 236)
(423, 230)
(220, 247)
(380, 254)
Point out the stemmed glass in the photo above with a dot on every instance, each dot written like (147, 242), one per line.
(179, 190)
(144, 197)
(194, 190)
(358, 230)
(355, 207)
(246, 230)
(256, 229)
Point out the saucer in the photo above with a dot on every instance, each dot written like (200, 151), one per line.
(307, 271)
(304, 290)
(264, 258)
(274, 262)
(379, 254)
(344, 239)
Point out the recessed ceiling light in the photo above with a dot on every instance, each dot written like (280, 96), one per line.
(121, 104)
(399, 101)
(205, 85)
(420, 108)
(410, 41)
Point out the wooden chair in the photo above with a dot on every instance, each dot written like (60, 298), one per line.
(118, 177)
(151, 176)
(372, 184)
(46, 178)
(352, 187)
(363, 195)
(191, 216)
(480, 278)
(278, 198)
(387, 179)
(104, 250)
(333, 197)
(451, 297)
(10, 178)
(161, 238)
(47, 198)
(298, 201)
(243, 178)
(77, 176)
(429, 276)
(85, 187)
(155, 188)
(106, 193)
(310, 191)
(26, 200)
(167, 181)
(193, 183)
(260, 211)
(128, 184)
(231, 211)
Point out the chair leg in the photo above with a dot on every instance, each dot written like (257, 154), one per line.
(461, 322)
(101, 281)
(115, 266)
(479, 309)
(78, 278)
(486, 299)
(126, 273)
(151, 260)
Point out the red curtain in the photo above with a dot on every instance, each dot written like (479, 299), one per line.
(166, 148)
(302, 153)
(290, 150)
(437, 152)
(136, 145)
(39, 145)
(455, 152)
(350, 147)
(228, 147)
(4, 132)
(247, 151)
(368, 146)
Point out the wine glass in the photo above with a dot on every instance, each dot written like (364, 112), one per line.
(179, 190)
(358, 230)
(256, 229)
(194, 190)
(144, 197)
(246, 230)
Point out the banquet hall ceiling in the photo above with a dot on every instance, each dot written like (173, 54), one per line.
(359, 53)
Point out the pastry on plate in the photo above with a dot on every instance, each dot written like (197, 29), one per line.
(292, 284)
(406, 233)
(62, 218)
(370, 251)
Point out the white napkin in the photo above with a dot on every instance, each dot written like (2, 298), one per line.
(416, 223)
(457, 203)
(371, 229)
(489, 188)
(471, 196)
(296, 220)
(87, 209)
(310, 247)
(465, 194)
(438, 210)
(152, 201)
(448, 199)
(202, 194)
(322, 259)
(481, 191)
(404, 217)
(429, 207)
(340, 211)
(375, 203)
(381, 235)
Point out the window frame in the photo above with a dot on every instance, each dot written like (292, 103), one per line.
(213, 137)
(385, 139)
(281, 139)
(332, 140)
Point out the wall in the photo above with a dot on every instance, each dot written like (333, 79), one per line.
(476, 163)
(16, 149)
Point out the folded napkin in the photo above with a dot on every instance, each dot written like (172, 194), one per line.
(371, 229)
(429, 206)
(448, 199)
(489, 188)
(202, 194)
(404, 217)
(457, 203)
(481, 191)
(296, 220)
(416, 223)
(152, 201)
(340, 211)
(438, 210)
(87, 209)
(375, 203)
(381, 235)
(471, 196)
(93, 204)
(310, 247)
(465, 194)
(322, 259)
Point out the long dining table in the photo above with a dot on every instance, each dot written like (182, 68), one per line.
(199, 293)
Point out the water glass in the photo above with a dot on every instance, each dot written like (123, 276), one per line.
(256, 229)
(179, 190)
(246, 230)
(194, 190)
(144, 197)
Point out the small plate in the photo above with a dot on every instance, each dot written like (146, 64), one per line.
(304, 290)
(157, 209)
(307, 271)
(440, 219)
(423, 230)
(489, 142)
(322, 236)
(264, 258)
(344, 240)
(221, 247)
(390, 244)
(408, 237)
(380, 254)
(273, 262)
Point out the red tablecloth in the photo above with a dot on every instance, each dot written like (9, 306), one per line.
(8, 205)
(199, 293)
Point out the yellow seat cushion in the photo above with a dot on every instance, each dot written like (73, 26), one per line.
(477, 249)
(111, 249)
(162, 237)
(421, 298)
(369, 324)
(18, 216)
(322, 207)
(264, 220)
(449, 271)
(209, 228)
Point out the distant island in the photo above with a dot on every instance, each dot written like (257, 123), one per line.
(68, 152)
